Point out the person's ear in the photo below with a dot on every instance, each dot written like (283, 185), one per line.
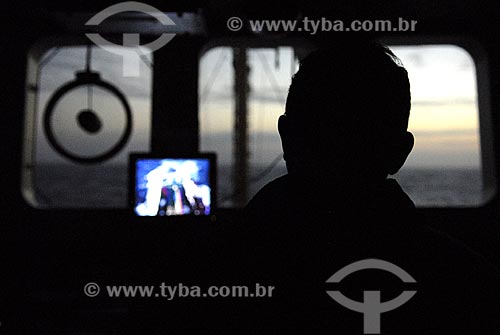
(400, 152)
(283, 126)
(283, 130)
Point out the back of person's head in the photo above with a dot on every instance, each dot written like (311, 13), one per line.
(348, 105)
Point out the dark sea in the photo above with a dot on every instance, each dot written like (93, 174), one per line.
(106, 186)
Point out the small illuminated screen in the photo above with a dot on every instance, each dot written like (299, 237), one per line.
(172, 186)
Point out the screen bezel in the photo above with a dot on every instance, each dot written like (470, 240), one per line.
(132, 171)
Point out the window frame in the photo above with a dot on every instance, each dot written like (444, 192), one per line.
(486, 128)
(28, 162)
(481, 62)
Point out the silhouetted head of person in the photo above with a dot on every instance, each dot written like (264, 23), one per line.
(346, 115)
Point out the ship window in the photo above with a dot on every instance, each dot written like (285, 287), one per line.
(445, 169)
(84, 116)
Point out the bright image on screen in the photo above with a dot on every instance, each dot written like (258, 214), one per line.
(172, 187)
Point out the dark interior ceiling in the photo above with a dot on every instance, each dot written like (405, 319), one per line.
(447, 15)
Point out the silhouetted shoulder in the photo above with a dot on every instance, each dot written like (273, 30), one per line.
(297, 243)
(270, 197)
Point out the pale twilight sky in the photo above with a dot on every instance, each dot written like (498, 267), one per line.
(444, 116)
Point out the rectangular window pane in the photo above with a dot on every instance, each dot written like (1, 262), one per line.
(270, 72)
(72, 122)
(444, 168)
